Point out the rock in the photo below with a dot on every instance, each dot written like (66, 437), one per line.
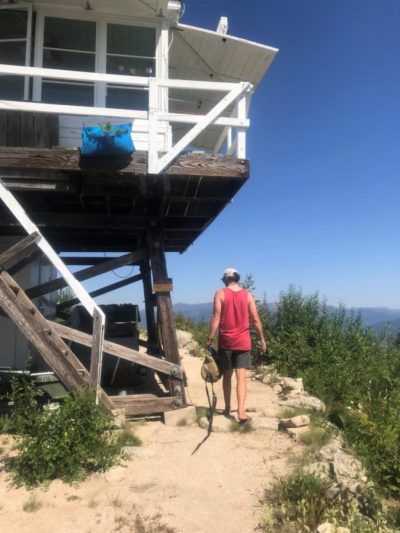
(326, 527)
(221, 424)
(295, 394)
(292, 384)
(266, 379)
(296, 433)
(185, 416)
(259, 376)
(295, 422)
(304, 401)
(265, 423)
(277, 389)
(346, 469)
(184, 338)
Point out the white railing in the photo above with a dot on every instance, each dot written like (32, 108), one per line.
(236, 94)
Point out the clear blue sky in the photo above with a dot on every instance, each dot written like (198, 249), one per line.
(321, 209)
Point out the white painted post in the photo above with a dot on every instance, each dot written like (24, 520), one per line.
(153, 110)
(241, 132)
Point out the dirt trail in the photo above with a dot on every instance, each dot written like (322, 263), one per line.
(163, 485)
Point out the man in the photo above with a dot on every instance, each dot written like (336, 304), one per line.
(234, 307)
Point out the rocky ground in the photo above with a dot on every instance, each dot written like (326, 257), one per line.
(167, 485)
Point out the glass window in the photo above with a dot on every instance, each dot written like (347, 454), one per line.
(131, 51)
(131, 40)
(69, 45)
(70, 34)
(13, 29)
(13, 24)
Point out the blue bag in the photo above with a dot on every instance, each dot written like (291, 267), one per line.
(107, 140)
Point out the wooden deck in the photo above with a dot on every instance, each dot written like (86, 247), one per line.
(109, 205)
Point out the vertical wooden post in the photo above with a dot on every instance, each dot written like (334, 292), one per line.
(153, 342)
(96, 358)
(164, 306)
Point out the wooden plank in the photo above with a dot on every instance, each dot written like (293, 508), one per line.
(149, 300)
(13, 129)
(146, 404)
(103, 290)
(19, 251)
(164, 285)
(187, 164)
(164, 306)
(86, 273)
(122, 352)
(96, 357)
(36, 254)
(43, 336)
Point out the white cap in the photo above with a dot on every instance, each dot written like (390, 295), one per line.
(231, 273)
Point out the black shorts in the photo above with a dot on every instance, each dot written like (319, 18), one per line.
(231, 359)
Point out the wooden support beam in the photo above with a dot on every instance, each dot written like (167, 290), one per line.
(103, 290)
(44, 337)
(96, 356)
(21, 250)
(87, 273)
(112, 348)
(153, 345)
(164, 307)
(144, 404)
(36, 254)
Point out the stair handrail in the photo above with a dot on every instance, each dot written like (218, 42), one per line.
(99, 318)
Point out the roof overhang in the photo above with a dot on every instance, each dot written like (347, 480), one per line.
(198, 54)
(136, 8)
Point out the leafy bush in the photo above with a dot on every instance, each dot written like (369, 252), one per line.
(356, 373)
(67, 443)
(302, 502)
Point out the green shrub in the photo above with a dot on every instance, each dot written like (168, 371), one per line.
(67, 444)
(199, 330)
(355, 372)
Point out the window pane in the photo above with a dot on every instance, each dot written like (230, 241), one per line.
(68, 94)
(13, 24)
(11, 87)
(12, 53)
(131, 40)
(68, 60)
(70, 34)
(130, 66)
(127, 99)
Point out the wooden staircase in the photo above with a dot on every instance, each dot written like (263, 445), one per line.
(48, 337)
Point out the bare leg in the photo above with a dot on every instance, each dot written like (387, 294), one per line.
(226, 386)
(241, 389)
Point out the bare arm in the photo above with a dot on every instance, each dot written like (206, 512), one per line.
(215, 318)
(255, 318)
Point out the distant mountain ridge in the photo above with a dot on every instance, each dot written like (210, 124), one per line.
(377, 318)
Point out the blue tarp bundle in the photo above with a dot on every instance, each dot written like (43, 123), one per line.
(107, 140)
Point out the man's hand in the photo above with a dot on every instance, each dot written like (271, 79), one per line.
(209, 342)
(263, 346)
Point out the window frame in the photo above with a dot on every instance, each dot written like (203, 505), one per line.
(28, 38)
(101, 21)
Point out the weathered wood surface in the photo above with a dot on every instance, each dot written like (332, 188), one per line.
(103, 290)
(96, 356)
(165, 285)
(27, 129)
(86, 273)
(144, 404)
(187, 164)
(19, 251)
(153, 345)
(120, 351)
(44, 337)
(165, 313)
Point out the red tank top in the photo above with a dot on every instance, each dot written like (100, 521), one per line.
(234, 327)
